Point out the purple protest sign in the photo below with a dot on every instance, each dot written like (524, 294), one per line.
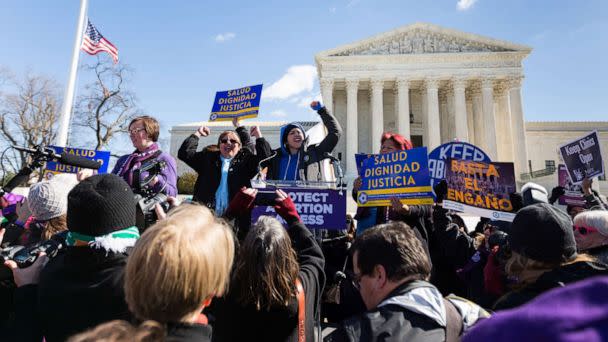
(318, 208)
(573, 193)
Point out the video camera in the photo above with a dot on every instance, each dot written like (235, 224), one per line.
(145, 196)
(25, 256)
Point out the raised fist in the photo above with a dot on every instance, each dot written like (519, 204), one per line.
(203, 131)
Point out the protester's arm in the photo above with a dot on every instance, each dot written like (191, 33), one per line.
(591, 200)
(262, 147)
(334, 131)
(119, 164)
(245, 138)
(187, 151)
(457, 245)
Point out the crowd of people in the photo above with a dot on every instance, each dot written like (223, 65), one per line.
(205, 272)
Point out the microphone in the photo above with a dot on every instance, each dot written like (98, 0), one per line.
(64, 158)
(274, 154)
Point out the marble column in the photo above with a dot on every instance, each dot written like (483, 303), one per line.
(327, 92)
(377, 125)
(503, 123)
(403, 107)
(489, 121)
(470, 118)
(425, 121)
(518, 127)
(451, 114)
(460, 110)
(352, 134)
(478, 117)
(432, 114)
(444, 129)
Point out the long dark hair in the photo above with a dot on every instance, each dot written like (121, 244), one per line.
(266, 267)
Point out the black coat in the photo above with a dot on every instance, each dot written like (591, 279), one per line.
(182, 332)
(78, 290)
(207, 164)
(233, 322)
(558, 277)
(310, 154)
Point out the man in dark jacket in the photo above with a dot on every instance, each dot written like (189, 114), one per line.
(294, 157)
(392, 269)
(82, 286)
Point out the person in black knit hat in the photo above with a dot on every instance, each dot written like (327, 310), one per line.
(543, 255)
(83, 285)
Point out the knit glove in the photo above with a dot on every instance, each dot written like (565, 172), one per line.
(240, 204)
(556, 193)
(316, 105)
(287, 209)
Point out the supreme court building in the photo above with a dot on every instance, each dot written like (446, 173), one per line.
(430, 84)
(434, 85)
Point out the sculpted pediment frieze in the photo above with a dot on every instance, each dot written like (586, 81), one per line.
(424, 39)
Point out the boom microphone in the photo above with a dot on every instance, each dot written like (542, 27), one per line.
(64, 158)
(70, 159)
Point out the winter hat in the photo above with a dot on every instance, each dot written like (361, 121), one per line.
(49, 199)
(533, 193)
(543, 233)
(100, 205)
(288, 128)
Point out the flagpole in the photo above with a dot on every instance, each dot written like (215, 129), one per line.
(68, 98)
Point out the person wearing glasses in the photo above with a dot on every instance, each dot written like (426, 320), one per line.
(225, 168)
(144, 131)
(591, 233)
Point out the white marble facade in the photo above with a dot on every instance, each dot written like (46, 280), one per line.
(432, 85)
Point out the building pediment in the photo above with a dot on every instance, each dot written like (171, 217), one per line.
(422, 38)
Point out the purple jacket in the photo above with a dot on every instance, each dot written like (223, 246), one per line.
(168, 175)
(578, 312)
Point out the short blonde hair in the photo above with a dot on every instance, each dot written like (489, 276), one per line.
(178, 263)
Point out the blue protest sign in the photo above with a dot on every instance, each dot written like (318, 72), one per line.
(242, 103)
(318, 208)
(102, 157)
(452, 150)
(359, 158)
(402, 174)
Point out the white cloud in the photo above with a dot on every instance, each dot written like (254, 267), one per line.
(464, 5)
(352, 3)
(278, 113)
(224, 37)
(297, 79)
(332, 10)
(305, 101)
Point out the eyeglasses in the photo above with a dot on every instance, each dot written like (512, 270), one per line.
(584, 230)
(232, 141)
(134, 131)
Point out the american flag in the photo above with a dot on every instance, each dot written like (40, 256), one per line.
(94, 43)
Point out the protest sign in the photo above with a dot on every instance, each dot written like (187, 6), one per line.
(480, 188)
(573, 192)
(103, 157)
(318, 208)
(452, 150)
(242, 103)
(402, 174)
(359, 158)
(583, 158)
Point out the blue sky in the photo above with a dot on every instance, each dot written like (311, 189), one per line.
(184, 51)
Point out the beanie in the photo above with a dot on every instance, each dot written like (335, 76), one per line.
(544, 233)
(532, 193)
(100, 205)
(288, 128)
(49, 199)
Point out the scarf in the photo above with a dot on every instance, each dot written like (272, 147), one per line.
(134, 162)
(116, 242)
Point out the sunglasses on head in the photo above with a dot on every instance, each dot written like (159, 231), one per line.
(226, 140)
(584, 230)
